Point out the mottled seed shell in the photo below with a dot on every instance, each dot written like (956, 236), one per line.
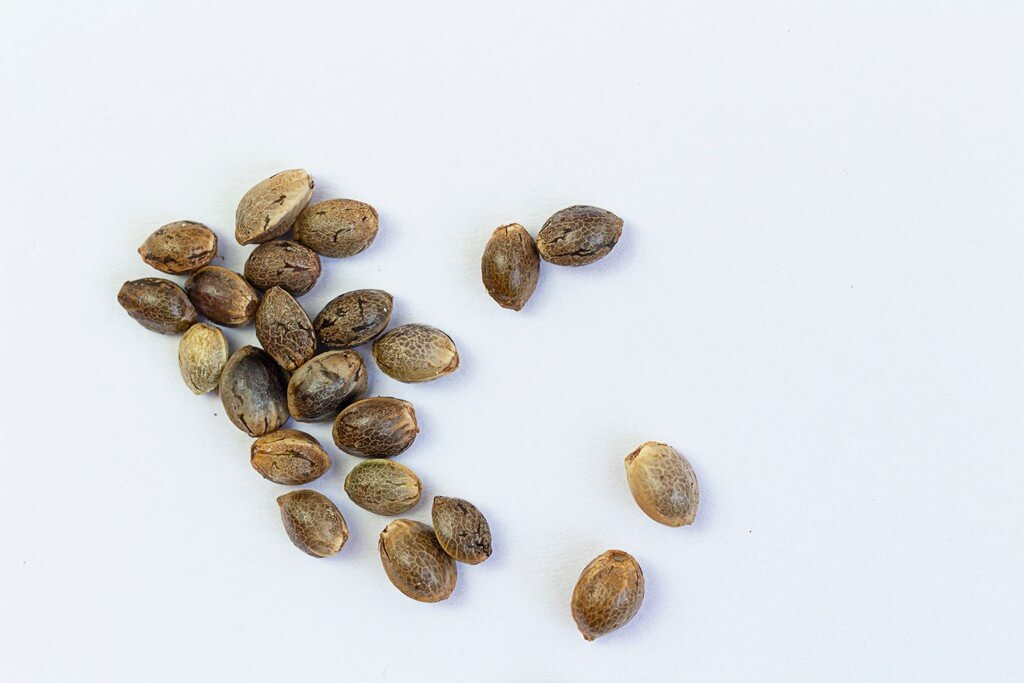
(284, 329)
(415, 562)
(415, 353)
(157, 304)
(289, 457)
(202, 355)
(663, 483)
(383, 487)
(271, 206)
(337, 227)
(284, 264)
(353, 318)
(461, 529)
(319, 389)
(223, 296)
(510, 266)
(180, 247)
(578, 235)
(313, 522)
(376, 427)
(252, 389)
(608, 594)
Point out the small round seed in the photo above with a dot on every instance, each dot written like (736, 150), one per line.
(337, 227)
(313, 522)
(222, 296)
(376, 427)
(270, 207)
(510, 267)
(180, 247)
(284, 264)
(578, 235)
(416, 353)
(289, 457)
(415, 563)
(158, 305)
(383, 487)
(284, 329)
(461, 529)
(252, 389)
(202, 354)
(319, 389)
(353, 318)
(608, 594)
(663, 483)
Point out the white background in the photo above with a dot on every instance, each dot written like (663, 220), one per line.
(817, 298)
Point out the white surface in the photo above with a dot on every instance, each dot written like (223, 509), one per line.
(817, 298)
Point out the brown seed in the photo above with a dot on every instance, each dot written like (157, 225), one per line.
(157, 304)
(284, 264)
(353, 318)
(252, 389)
(337, 227)
(270, 207)
(180, 247)
(578, 235)
(608, 594)
(202, 354)
(510, 266)
(663, 483)
(416, 353)
(289, 457)
(376, 427)
(461, 529)
(284, 330)
(222, 296)
(415, 562)
(313, 522)
(383, 487)
(319, 389)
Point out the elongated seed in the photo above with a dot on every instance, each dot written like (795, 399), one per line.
(158, 305)
(663, 483)
(202, 355)
(378, 427)
(608, 594)
(180, 247)
(313, 522)
(353, 318)
(270, 207)
(284, 264)
(510, 266)
(337, 227)
(415, 562)
(252, 390)
(289, 457)
(578, 235)
(326, 383)
(384, 487)
(415, 353)
(284, 329)
(223, 296)
(461, 529)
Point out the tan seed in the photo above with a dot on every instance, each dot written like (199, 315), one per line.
(284, 264)
(510, 266)
(608, 594)
(202, 354)
(378, 427)
(223, 296)
(284, 329)
(313, 522)
(326, 383)
(270, 207)
(383, 487)
(353, 318)
(158, 305)
(415, 353)
(337, 227)
(252, 390)
(180, 247)
(663, 483)
(415, 563)
(289, 457)
(461, 529)
(578, 235)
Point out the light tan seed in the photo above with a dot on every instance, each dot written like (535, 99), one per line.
(202, 355)
(223, 296)
(353, 318)
(326, 383)
(337, 227)
(158, 305)
(180, 247)
(289, 457)
(377, 427)
(284, 329)
(415, 563)
(415, 353)
(313, 522)
(608, 594)
(284, 264)
(510, 266)
(270, 207)
(663, 483)
(252, 390)
(383, 487)
(461, 529)
(578, 235)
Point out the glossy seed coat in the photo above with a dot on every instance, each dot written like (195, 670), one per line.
(284, 329)
(415, 353)
(223, 296)
(663, 483)
(158, 305)
(202, 355)
(270, 207)
(337, 227)
(284, 264)
(383, 487)
(415, 562)
(461, 529)
(578, 235)
(377, 427)
(608, 594)
(313, 522)
(353, 318)
(510, 266)
(180, 247)
(289, 457)
(252, 390)
(326, 383)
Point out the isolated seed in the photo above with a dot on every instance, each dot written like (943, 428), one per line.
(284, 264)
(383, 487)
(289, 457)
(337, 227)
(415, 562)
(510, 266)
(252, 389)
(222, 296)
(353, 318)
(319, 389)
(313, 522)
(578, 235)
(157, 304)
(461, 529)
(415, 353)
(180, 247)
(202, 355)
(663, 483)
(284, 330)
(376, 427)
(271, 206)
(608, 594)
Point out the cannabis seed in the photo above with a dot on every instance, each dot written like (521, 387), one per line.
(313, 522)
(663, 483)
(157, 304)
(284, 329)
(252, 389)
(416, 353)
(510, 266)
(319, 389)
(383, 487)
(222, 296)
(415, 562)
(376, 427)
(289, 457)
(270, 207)
(180, 247)
(353, 318)
(284, 264)
(578, 235)
(608, 594)
(202, 355)
(337, 227)
(461, 529)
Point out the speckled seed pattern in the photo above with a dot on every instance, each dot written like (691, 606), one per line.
(202, 355)
(270, 207)
(180, 247)
(415, 563)
(158, 305)
(383, 487)
(415, 353)
(353, 318)
(608, 594)
(663, 483)
(377, 427)
(289, 457)
(223, 296)
(326, 383)
(284, 264)
(510, 266)
(337, 227)
(461, 529)
(284, 329)
(578, 235)
(252, 390)
(313, 522)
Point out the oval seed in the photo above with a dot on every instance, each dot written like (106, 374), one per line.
(222, 296)
(180, 247)
(337, 227)
(252, 389)
(578, 235)
(353, 318)
(383, 487)
(376, 427)
(415, 563)
(284, 264)
(202, 354)
(461, 529)
(608, 594)
(510, 266)
(416, 353)
(319, 389)
(270, 207)
(313, 522)
(157, 304)
(663, 483)
(284, 329)
(289, 457)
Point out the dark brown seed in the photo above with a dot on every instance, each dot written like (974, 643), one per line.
(284, 330)
(608, 594)
(383, 487)
(180, 247)
(461, 529)
(289, 457)
(415, 562)
(222, 296)
(202, 354)
(252, 389)
(326, 383)
(376, 427)
(663, 483)
(270, 207)
(284, 264)
(313, 522)
(353, 318)
(578, 235)
(337, 227)
(510, 266)
(157, 304)
(416, 353)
